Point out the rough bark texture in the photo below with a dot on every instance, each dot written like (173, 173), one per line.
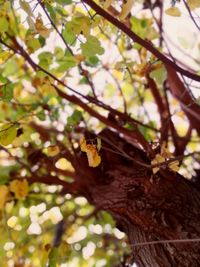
(148, 208)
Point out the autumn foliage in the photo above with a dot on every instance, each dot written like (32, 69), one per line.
(99, 133)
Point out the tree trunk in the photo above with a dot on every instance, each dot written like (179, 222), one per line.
(147, 207)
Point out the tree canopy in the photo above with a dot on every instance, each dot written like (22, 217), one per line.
(99, 133)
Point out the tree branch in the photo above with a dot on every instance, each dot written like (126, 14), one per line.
(140, 41)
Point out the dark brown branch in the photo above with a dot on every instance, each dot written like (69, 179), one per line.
(177, 88)
(140, 41)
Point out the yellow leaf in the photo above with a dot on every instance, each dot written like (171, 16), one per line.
(174, 165)
(52, 151)
(142, 69)
(79, 58)
(193, 4)
(165, 151)
(64, 165)
(48, 90)
(173, 11)
(126, 9)
(41, 29)
(157, 160)
(4, 193)
(8, 133)
(93, 157)
(83, 144)
(19, 188)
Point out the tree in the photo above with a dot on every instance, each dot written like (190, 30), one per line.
(99, 135)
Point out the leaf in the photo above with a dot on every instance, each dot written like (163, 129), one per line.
(67, 62)
(41, 29)
(3, 24)
(75, 118)
(68, 33)
(25, 6)
(159, 75)
(7, 92)
(174, 165)
(98, 143)
(41, 115)
(45, 58)
(126, 9)
(93, 158)
(173, 11)
(46, 89)
(8, 133)
(19, 188)
(165, 151)
(193, 4)
(80, 24)
(157, 160)
(92, 155)
(92, 61)
(45, 255)
(10, 67)
(92, 47)
(4, 193)
(53, 257)
(58, 52)
(33, 45)
(51, 11)
(140, 26)
(52, 151)
(64, 2)
(64, 165)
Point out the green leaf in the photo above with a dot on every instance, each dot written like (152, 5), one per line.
(58, 52)
(7, 92)
(8, 133)
(83, 80)
(41, 115)
(53, 257)
(69, 33)
(92, 61)
(3, 24)
(5, 172)
(75, 118)
(33, 45)
(10, 67)
(139, 26)
(3, 79)
(92, 47)
(45, 59)
(159, 75)
(42, 40)
(66, 63)
(51, 11)
(64, 2)
(144, 131)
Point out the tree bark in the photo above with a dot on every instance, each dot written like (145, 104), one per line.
(147, 207)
